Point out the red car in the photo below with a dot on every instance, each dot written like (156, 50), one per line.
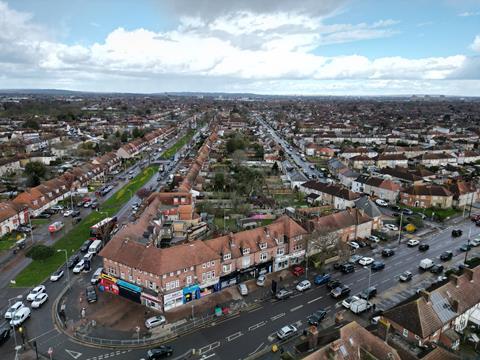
(298, 270)
(475, 217)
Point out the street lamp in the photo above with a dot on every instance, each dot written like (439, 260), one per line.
(468, 245)
(400, 227)
(18, 297)
(66, 267)
(31, 227)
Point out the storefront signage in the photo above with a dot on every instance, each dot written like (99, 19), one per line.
(108, 277)
(129, 286)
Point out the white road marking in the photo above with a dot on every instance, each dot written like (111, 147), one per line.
(296, 308)
(207, 356)
(234, 336)
(74, 354)
(397, 263)
(273, 318)
(318, 298)
(208, 347)
(385, 281)
(256, 326)
(258, 308)
(257, 349)
(328, 308)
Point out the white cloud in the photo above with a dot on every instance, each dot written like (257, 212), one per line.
(475, 45)
(469, 13)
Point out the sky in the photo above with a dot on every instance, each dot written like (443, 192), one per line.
(294, 47)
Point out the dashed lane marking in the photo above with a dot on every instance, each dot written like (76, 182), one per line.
(208, 347)
(296, 308)
(234, 336)
(256, 326)
(257, 349)
(313, 300)
(278, 316)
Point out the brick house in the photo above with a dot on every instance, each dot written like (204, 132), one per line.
(427, 196)
(330, 194)
(374, 186)
(12, 215)
(464, 193)
(391, 160)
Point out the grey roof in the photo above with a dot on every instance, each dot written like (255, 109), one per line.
(297, 176)
(367, 205)
(442, 307)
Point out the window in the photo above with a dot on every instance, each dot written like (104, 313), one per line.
(164, 276)
(263, 246)
(263, 256)
(204, 266)
(227, 256)
(122, 275)
(152, 285)
(178, 272)
(189, 280)
(185, 270)
(172, 285)
(246, 251)
(227, 268)
(280, 251)
(171, 274)
(405, 332)
(130, 278)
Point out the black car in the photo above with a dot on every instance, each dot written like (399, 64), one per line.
(424, 247)
(446, 255)
(44, 215)
(465, 247)
(332, 284)
(436, 269)
(377, 265)
(85, 246)
(388, 252)
(457, 232)
(337, 266)
(75, 213)
(342, 290)
(362, 244)
(160, 352)
(395, 208)
(4, 335)
(49, 211)
(72, 261)
(368, 293)
(347, 268)
(317, 317)
(91, 294)
(396, 214)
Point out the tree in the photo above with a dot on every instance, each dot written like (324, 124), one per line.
(35, 168)
(219, 181)
(124, 137)
(275, 168)
(238, 156)
(31, 124)
(136, 133)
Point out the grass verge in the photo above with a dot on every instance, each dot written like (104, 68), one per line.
(39, 270)
(173, 150)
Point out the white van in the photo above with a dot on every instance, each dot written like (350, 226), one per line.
(95, 247)
(426, 264)
(20, 316)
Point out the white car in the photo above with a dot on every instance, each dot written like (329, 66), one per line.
(304, 285)
(286, 332)
(20, 316)
(412, 243)
(366, 261)
(475, 242)
(67, 213)
(35, 291)
(155, 321)
(39, 300)
(243, 289)
(381, 202)
(354, 245)
(56, 275)
(261, 280)
(12, 309)
(346, 303)
(79, 267)
(392, 227)
(374, 238)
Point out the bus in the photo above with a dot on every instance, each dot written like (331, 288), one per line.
(102, 229)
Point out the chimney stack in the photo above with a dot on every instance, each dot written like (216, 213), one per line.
(454, 279)
(425, 294)
(469, 273)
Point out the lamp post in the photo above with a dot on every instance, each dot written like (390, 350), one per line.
(369, 274)
(66, 268)
(19, 297)
(400, 227)
(468, 245)
(31, 228)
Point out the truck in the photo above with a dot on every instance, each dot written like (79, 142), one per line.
(95, 247)
(359, 306)
(56, 226)
(425, 264)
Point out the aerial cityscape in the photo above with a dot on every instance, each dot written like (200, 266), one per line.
(199, 179)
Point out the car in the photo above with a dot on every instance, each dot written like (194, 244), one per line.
(94, 204)
(20, 316)
(405, 276)
(446, 255)
(57, 208)
(79, 267)
(298, 270)
(159, 352)
(465, 247)
(322, 279)
(354, 245)
(86, 244)
(424, 247)
(381, 202)
(395, 207)
(457, 232)
(342, 290)
(395, 214)
(332, 284)
(87, 204)
(374, 238)
(317, 317)
(436, 269)
(407, 212)
(56, 275)
(388, 252)
(91, 294)
(347, 268)
(475, 242)
(88, 256)
(67, 213)
(35, 291)
(283, 294)
(346, 303)
(366, 261)
(12, 309)
(412, 243)
(75, 213)
(73, 260)
(39, 300)
(304, 285)
(286, 332)
(475, 217)
(24, 229)
(44, 215)
(4, 335)
(155, 321)
(96, 276)
(391, 227)
(261, 280)
(355, 258)
(377, 265)
(243, 289)
(368, 293)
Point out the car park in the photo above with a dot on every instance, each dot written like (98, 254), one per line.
(298, 271)
(39, 300)
(20, 316)
(412, 243)
(304, 285)
(342, 290)
(73, 260)
(347, 268)
(388, 252)
(322, 279)
(79, 267)
(286, 332)
(56, 275)
(405, 276)
(160, 352)
(368, 293)
(381, 202)
(366, 261)
(424, 247)
(35, 291)
(317, 317)
(436, 269)
(12, 309)
(457, 232)
(261, 280)
(377, 265)
(446, 255)
(91, 294)
(346, 302)
(283, 294)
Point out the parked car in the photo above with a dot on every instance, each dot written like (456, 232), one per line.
(75, 213)
(317, 317)
(12, 309)
(283, 294)
(349, 300)
(322, 279)
(436, 269)
(79, 267)
(39, 300)
(242, 289)
(407, 212)
(424, 247)
(374, 238)
(261, 280)
(412, 243)
(342, 290)
(43, 215)
(73, 260)
(395, 208)
(304, 285)
(86, 244)
(405, 276)
(91, 294)
(347, 268)
(35, 291)
(4, 335)
(286, 332)
(159, 352)
(24, 229)
(377, 265)
(332, 284)
(20, 316)
(368, 293)
(381, 202)
(388, 252)
(475, 242)
(355, 258)
(391, 227)
(354, 245)
(56, 275)
(465, 247)
(366, 261)
(457, 232)
(446, 255)
(67, 213)
(96, 276)
(298, 271)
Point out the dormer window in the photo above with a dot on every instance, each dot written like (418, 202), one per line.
(227, 256)
(263, 246)
(246, 251)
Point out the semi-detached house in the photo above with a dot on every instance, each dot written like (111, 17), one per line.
(330, 194)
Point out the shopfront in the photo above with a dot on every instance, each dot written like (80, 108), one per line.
(129, 291)
(172, 300)
(190, 293)
(151, 300)
(108, 283)
(229, 280)
(284, 261)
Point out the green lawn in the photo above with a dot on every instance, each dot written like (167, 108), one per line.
(38, 271)
(7, 241)
(441, 214)
(173, 150)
